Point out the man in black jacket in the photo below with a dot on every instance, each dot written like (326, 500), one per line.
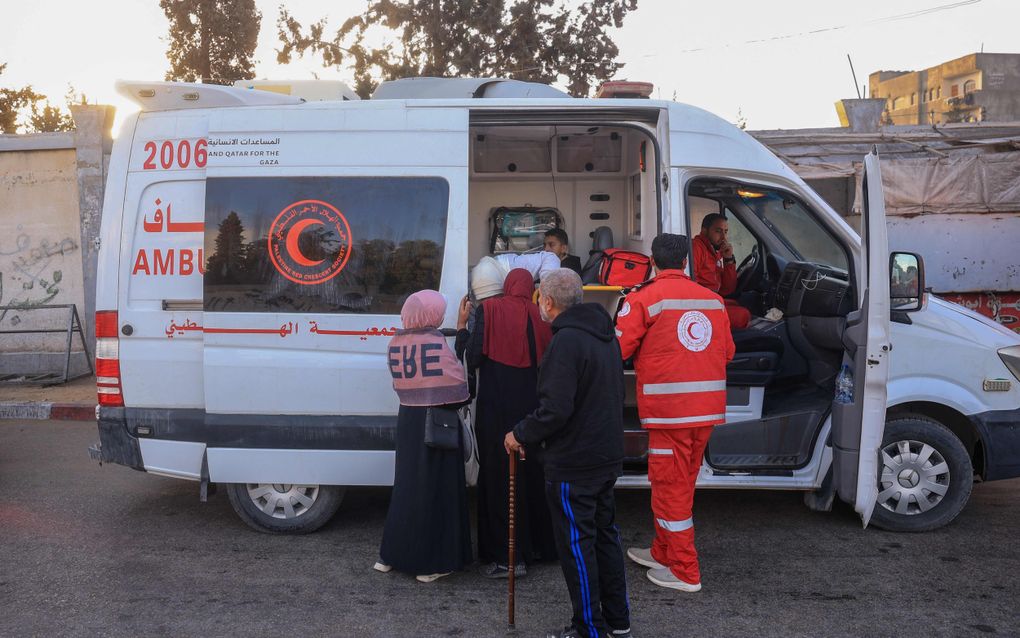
(579, 426)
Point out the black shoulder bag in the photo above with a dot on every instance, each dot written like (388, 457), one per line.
(442, 428)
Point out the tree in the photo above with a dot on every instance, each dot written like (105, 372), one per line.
(227, 264)
(533, 40)
(211, 40)
(12, 102)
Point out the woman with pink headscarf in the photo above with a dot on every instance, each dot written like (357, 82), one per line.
(427, 532)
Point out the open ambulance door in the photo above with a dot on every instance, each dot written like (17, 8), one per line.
(858, 420)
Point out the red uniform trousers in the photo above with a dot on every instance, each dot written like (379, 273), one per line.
(674, 459)
(739, 315)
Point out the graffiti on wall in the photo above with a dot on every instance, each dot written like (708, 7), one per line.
(32, 271)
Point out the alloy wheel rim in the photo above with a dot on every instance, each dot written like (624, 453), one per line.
(283, 500)
(915, 477)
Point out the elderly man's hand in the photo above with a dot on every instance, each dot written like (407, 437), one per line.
(512, 445)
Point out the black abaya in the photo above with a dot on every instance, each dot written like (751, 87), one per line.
(505, 396)
(427, 529)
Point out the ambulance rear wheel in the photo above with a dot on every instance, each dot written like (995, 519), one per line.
(282, 508)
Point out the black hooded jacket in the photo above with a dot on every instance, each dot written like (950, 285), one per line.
(579, 419)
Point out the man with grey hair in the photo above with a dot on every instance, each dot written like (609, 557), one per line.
(577, 430)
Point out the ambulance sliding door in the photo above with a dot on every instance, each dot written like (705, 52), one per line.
(320, 221)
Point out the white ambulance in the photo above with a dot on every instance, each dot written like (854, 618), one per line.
(256, 250)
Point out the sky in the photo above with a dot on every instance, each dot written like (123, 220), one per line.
(779, 64)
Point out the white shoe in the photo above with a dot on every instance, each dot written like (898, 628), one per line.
(665, 578)
(381, 567)
(429, 578)
(643, 557)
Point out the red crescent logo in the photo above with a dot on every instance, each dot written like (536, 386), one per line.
(292, 242)
(334, 242)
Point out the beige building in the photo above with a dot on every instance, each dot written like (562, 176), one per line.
(975, 88)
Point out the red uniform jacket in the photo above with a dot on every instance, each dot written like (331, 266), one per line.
(709, 269)
(679, 335)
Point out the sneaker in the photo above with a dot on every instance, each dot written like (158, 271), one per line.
(569, 632)
(643, 557)
(665, 578)
(495, 570)
(381, 567)
(620, 633)
(430, 578)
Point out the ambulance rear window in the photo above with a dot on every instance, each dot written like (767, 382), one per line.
(322, 244)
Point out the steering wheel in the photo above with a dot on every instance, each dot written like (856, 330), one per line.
(747, 270)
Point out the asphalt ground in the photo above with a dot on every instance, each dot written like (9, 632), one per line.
(88, 551)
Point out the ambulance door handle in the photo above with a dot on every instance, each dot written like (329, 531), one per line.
(127, 330)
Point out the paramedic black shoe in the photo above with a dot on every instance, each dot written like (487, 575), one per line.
(494, 570)
(665, 578)
(643, 556)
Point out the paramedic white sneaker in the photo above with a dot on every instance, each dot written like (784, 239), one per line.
(381, 567)
(620, 633)
(429, 578)
(643, 556)
(665, 578)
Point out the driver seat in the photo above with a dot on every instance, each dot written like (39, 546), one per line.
(757, 359)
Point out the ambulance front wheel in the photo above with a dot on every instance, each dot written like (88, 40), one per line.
(280, 508)
(925, 476)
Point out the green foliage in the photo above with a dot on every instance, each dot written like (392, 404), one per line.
(211, 40)
(50, 118)
(12, 102)
(532, 40)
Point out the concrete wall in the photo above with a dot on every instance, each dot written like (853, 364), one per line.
(51, 189)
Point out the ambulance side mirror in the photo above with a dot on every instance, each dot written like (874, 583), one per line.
(906, 282)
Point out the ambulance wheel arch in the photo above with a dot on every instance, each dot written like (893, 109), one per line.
(925, 475)
(285, 508)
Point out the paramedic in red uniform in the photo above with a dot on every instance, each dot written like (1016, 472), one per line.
(715, 267)
(678, 334)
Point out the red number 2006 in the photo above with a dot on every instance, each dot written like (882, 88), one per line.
(182, 154)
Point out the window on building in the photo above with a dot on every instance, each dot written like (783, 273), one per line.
(938, 92)
(897, 103)
(913, 99)
(969, 87)
(954, 90)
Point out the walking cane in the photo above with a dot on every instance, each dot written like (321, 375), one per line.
(512, 566)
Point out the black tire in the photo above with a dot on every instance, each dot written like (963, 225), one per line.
(325, 499)
(912, 431)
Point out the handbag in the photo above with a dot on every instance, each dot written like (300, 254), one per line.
(442, 428)
(624, 268)
(471, 465)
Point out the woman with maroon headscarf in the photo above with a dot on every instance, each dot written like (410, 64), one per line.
(427, 532)
(505, 349)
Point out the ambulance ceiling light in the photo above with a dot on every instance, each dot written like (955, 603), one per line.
(746, 194)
